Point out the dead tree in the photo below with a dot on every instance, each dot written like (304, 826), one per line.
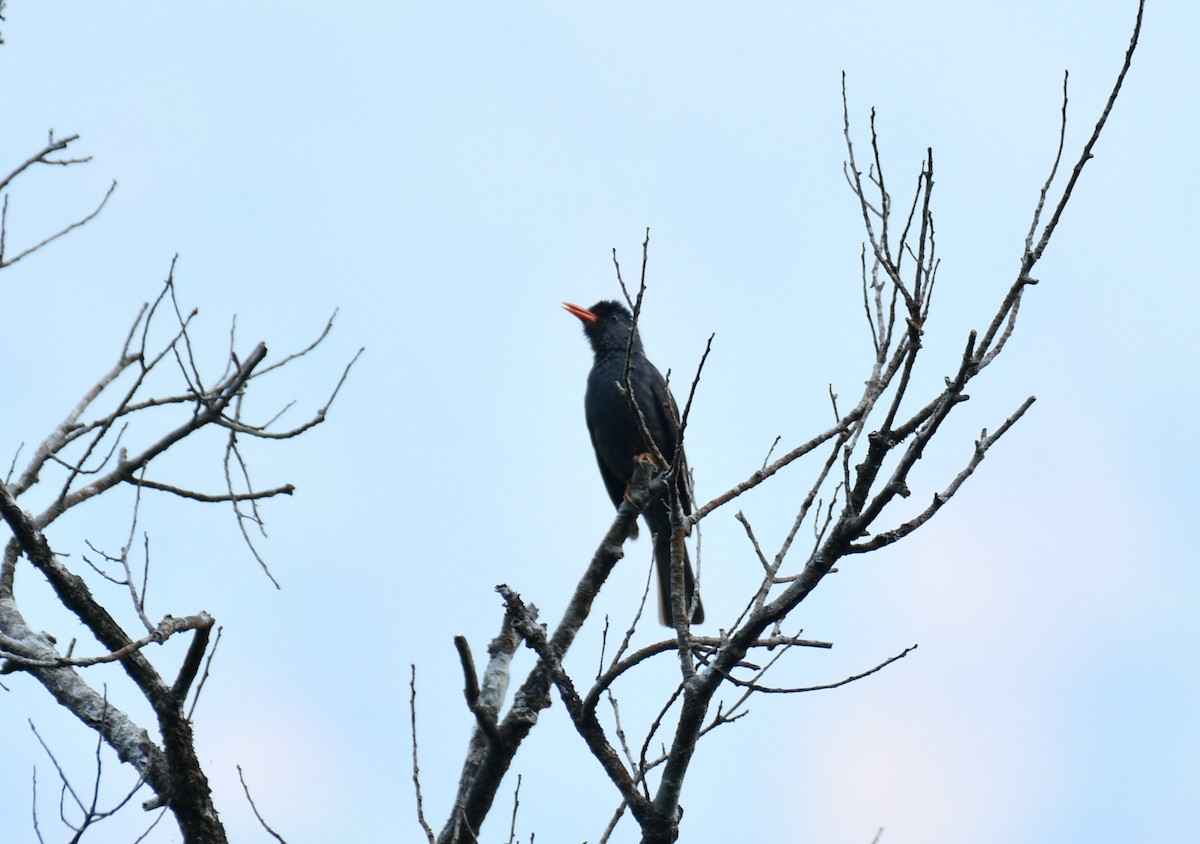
(867, 455)
(154, 398)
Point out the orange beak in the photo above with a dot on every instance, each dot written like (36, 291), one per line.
(583, 313)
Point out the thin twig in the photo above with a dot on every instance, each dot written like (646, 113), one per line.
(416, 768)
(83, 221)
(250, 800)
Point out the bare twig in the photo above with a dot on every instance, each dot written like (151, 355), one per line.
(1086, 154)
(286, 489)
(512, 827)
(66, 230)
(254, 808)
(416, 768)
(757, 687)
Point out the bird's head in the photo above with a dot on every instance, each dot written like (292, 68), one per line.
(607, 325)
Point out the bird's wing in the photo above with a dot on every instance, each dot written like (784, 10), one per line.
(613, 482)
(662, 418)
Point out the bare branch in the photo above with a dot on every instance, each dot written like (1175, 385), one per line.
(80, 222)
(844, 424)
(416, 768)
(512, 827)
(294, 355)
(208, 661)
(621, 281)
(1062, 140)
(981, 446)
(702, 644)
(484, 716)
(191, 661)
(1086, 155)
(286, 489)
(317, 419)
(254, 808)
(825, 686)
(165, 629)
(42, 157)
(584, 719)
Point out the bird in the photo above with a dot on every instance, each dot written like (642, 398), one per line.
(617, 437)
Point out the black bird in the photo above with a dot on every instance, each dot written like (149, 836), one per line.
(617, 437)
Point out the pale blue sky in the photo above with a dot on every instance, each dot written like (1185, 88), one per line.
(447, 175)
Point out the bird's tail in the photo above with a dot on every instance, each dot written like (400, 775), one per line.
(662, 563)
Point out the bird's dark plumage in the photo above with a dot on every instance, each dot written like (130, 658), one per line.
(617, 437)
